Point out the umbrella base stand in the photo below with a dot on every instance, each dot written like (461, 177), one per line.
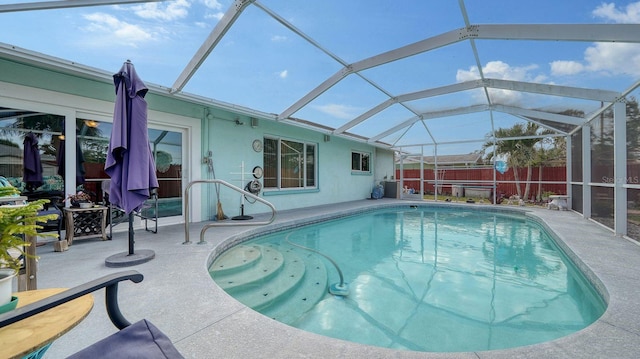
(132, 257)
(125, 259)
(242, 216)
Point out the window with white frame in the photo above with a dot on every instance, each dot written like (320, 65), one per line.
(360, 162)
(289, 164)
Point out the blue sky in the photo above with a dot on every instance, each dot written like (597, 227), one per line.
(264, 66)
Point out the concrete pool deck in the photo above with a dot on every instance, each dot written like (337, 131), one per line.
(179, 297)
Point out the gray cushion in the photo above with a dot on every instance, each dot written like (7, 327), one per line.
(139, 340)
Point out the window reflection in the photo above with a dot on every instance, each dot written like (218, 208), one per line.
(289, 164)
(15, 125)
(93, 141)
(166, 147)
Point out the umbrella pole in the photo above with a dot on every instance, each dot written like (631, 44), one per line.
(125, 259)
(242, 216)
(131, 234)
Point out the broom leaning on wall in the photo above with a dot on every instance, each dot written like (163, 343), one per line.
(219, 212)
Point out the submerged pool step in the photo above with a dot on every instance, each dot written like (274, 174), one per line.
(278, 281)
(236, 259)
(245, 267)
(271, 289)
(312, 289)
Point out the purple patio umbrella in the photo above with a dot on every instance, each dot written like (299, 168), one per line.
(32, 165)
(129, 161)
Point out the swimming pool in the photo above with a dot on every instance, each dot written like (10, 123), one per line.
(422, 279)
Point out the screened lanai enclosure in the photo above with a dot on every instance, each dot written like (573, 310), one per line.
(536, 97)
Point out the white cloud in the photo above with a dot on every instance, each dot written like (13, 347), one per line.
(342, 112)
(217, 16)
(283, 74)
(614, 58)
(106, 26)
(172, 10)
(630, 14)
(561, 68)
(498, 70)
(503, 71)
(212, 4)
(604, 57)
(278, 38)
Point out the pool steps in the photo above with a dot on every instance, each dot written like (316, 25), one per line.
(260, 293)
(246, 266)
(269, 279)
(307, 293)
(241, 258)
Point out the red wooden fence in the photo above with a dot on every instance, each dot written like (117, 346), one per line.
(553, 179)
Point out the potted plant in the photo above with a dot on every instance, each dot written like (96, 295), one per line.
(546, 194)
(16, 222)
(76, 199)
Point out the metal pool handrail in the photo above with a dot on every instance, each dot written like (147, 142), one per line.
(219, 224)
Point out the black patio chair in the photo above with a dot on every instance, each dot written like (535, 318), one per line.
(139, 340)
(54, 206)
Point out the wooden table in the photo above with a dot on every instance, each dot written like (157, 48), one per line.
(28, 274)
(28, 335)
(85, 223)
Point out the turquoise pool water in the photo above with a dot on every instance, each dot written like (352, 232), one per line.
(421, 279)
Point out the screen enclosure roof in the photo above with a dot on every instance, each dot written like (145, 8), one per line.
(393, 74)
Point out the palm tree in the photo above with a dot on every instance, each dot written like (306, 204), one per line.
(519, 152)
(549, 149)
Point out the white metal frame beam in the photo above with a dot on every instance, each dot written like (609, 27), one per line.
(620, 175)
(546, 89)
(557, 32)
(516, 111)
(377, 60)
(210, 43)
(542, 115)
(65, 4)
(463, 86)
(586, 171)
(430, 115)
(554, 90)
(548, 32)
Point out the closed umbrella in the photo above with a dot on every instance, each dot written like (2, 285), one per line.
(129, 161)
(32, 165)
